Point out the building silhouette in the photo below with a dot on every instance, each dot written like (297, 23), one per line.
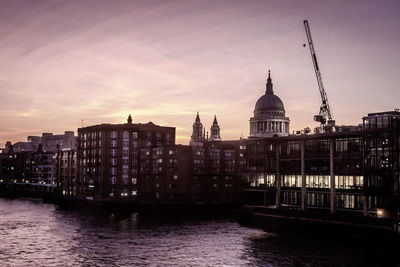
(114, 160)
(215, 131)
(199, 133)
(269, 115)
(353, 170)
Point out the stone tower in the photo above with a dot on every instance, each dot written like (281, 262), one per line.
(215, 131)
(198, 135)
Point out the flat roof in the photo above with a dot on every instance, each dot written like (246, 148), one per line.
(395, 112)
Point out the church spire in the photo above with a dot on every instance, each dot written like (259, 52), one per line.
(269, 90)
(215, 120)
(197, 117)
(198, 134)
(215, 135)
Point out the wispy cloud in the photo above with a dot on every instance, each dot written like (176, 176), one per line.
(161, 61)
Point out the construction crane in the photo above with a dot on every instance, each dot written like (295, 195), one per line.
(325, 114)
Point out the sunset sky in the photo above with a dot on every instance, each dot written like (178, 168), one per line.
(162, 61)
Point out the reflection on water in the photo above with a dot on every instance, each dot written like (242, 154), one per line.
(35, 233)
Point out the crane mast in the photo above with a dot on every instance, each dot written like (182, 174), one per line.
(324, 111)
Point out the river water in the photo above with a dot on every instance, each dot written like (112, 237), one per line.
(34, 233)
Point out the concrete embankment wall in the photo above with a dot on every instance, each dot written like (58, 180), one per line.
(316, 222)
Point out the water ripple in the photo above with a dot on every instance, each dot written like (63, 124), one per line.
(38, 234)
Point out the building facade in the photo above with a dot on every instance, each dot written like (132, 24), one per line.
(109, 158)
(66, 171)
(142, 163)
(43, 167)
(215, 172)
(355, 171)
(52, 142)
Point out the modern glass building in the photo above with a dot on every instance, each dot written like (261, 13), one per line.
(355, 171)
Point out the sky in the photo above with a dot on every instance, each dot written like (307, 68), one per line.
(64, 64)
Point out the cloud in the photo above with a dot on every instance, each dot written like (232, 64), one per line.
(161, 61)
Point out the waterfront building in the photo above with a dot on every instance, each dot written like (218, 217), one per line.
(15, 166)
(66, 171)
(214, 166)
(355, 170)
(269, 115)
(215, 172)
(164, 174)
(141, 162)
(34, 161)
(381, 157)
(43, 167)
(108, 158)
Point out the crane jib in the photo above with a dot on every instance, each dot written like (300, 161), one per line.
(325, 111)
(315, 62)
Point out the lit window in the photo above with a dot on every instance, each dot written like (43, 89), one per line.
(113, 143)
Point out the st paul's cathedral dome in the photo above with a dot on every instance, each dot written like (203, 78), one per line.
(269, 115)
